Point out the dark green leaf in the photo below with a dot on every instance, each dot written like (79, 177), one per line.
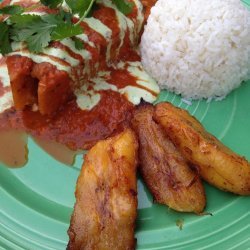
(66, 16)
(78, 43)
(23, 21)
(5, 46)
(11, 10)
(124, 6)
(22, 26)
(52, 19)
(79, 6)
(38, 41)
(65, 30)
(51, 3)
(34, 30)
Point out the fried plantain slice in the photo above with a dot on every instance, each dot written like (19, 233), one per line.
(163, 169)
(217, 164)
(106, 196)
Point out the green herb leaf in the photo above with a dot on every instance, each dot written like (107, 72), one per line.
(52, 19)
(78, 43)
(79, 6)
(22, 21)
(33, 30)
(51, 3)
(11, 10)
(66, 16)
(5, 46)
(65, 30)
(38, 41)
(124, 6)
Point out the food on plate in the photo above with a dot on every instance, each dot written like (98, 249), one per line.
(99, 100)
(215, 162)
(76, 77)
(49, 78)
(163, 168)
(106, 196)
(198, 48)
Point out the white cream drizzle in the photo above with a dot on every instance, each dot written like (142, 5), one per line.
(99, 27)
(42, 58)
(18, 1)
(6, 100)
(82, 52)
(35, 13)
(61, 54)
(124, 24)
(144, 79)
(102, 29)
(87, 99)
(4, 75)
(85, 39)
(139, 16)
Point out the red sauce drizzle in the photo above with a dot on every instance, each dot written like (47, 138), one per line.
(71, 126)
(121, 78)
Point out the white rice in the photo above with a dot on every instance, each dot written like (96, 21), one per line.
(197, 48)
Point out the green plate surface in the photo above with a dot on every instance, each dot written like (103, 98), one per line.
(36, 201)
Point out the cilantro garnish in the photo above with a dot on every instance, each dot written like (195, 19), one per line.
(5, 46)
(123, 6)
(11, 10)
(51, 3)
(38, 31)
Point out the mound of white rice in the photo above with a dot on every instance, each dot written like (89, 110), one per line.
(197, 48)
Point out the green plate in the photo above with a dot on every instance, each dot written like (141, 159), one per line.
(36, 201)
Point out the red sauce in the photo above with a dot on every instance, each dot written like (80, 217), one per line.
(121, 78)
(106, 16)
(71, 126)
(67, 49)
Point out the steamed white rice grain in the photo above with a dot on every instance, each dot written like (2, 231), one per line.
(197, 48)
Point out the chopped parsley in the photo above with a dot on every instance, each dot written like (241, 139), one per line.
(38, 31)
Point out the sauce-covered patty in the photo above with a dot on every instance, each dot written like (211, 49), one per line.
(77, 97)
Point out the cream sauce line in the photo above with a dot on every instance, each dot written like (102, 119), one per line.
(87, 99)
(103, 30)
(6, 100)
(41, 58)
(82, 52)
(123, 22)
(4, 75)
(85, 39)
(139, 16)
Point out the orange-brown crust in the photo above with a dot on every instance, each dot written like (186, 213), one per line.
(106, 196)
(40, 84)
(217, 164)
(24, 87)
(164, 170)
